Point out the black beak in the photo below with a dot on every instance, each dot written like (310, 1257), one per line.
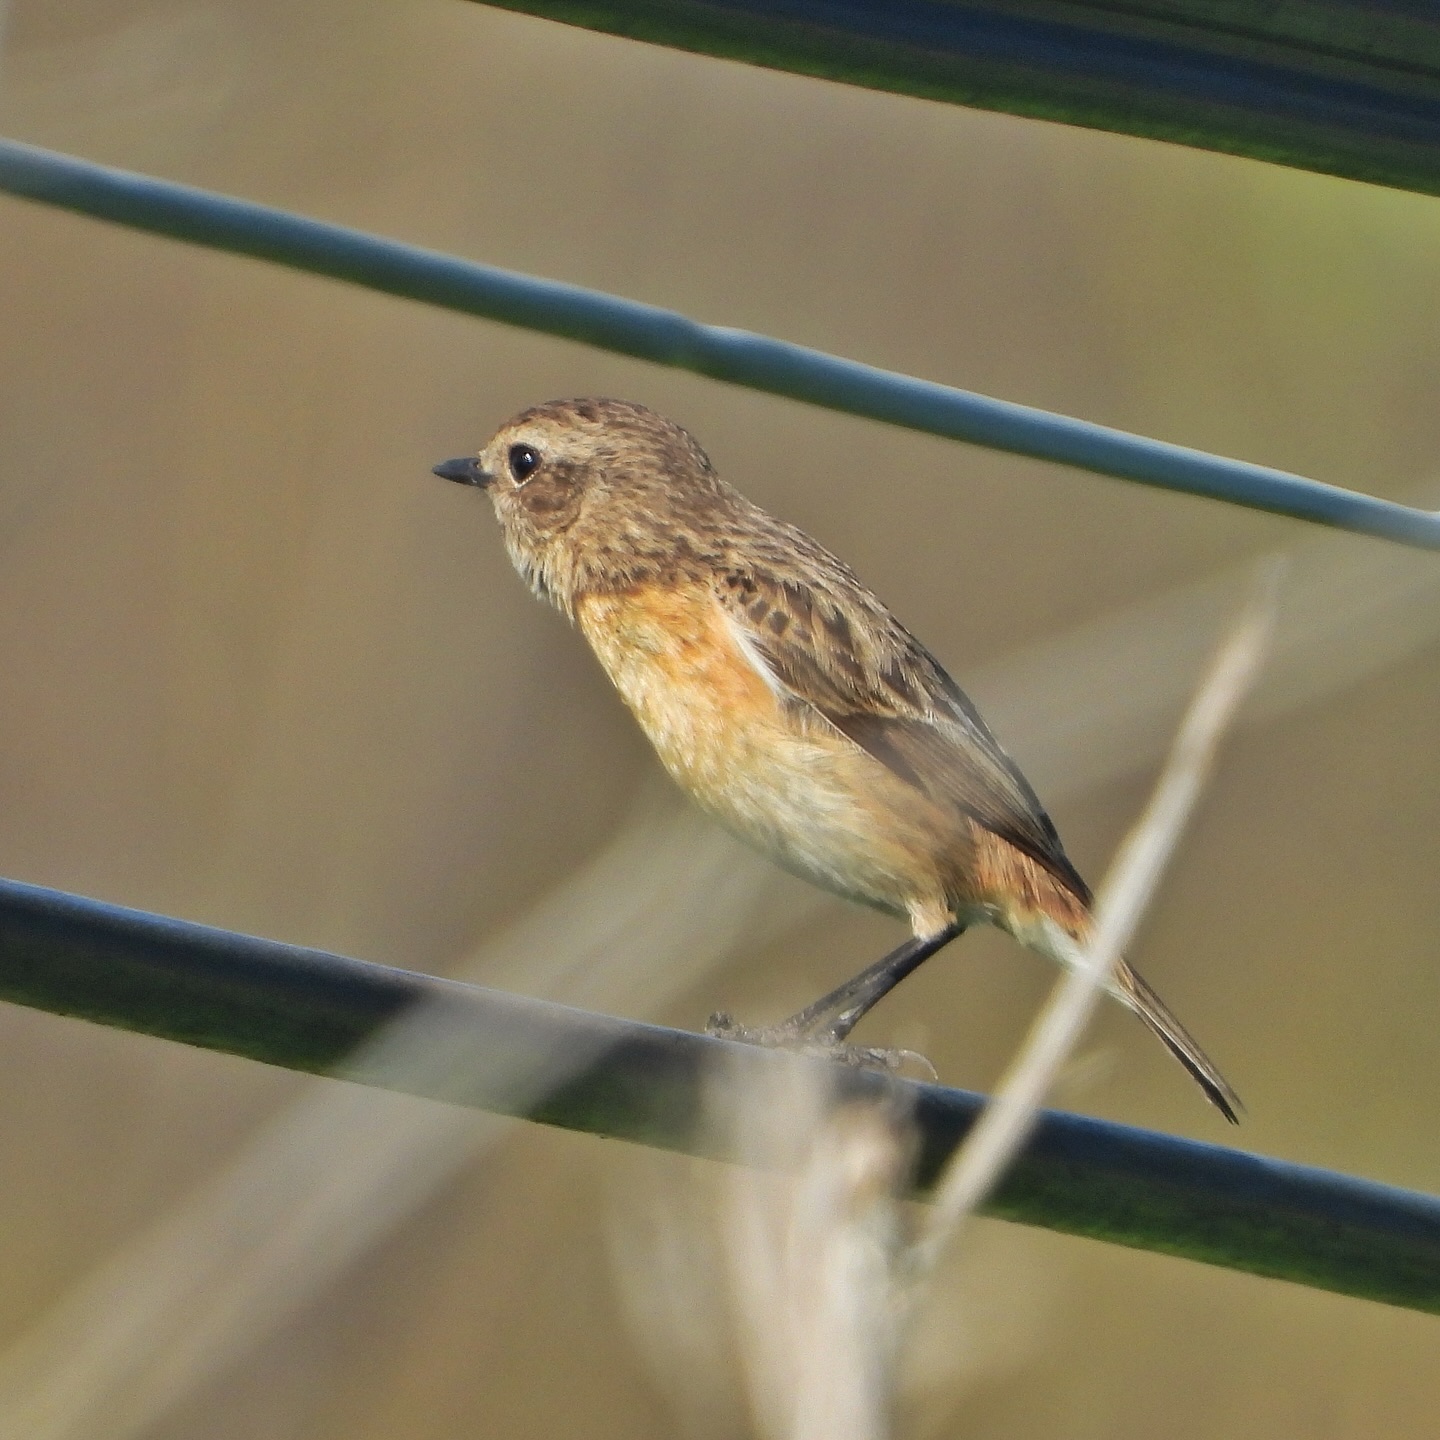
(464, 471)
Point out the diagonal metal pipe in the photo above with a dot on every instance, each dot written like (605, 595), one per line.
(312, 1011)
(648, 332)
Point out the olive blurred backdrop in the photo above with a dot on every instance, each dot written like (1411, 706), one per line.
(258, 668)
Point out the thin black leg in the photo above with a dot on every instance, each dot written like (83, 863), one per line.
(851, 1002)
(832, 1017)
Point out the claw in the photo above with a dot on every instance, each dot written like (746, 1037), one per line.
(822, 1043)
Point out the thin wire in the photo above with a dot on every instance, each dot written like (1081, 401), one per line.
(647, 332)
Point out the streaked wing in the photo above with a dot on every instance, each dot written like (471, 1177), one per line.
(829, 645)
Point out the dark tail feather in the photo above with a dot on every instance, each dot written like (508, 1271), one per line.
(1152, 1010)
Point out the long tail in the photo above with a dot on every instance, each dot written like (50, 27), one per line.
(1133, 991)
(1044, 910)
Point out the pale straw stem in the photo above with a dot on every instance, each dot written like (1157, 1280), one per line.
(1006, 1122)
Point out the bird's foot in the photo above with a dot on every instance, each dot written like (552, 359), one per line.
(822, 1041)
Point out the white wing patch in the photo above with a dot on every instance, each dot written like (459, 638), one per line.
(751, 652)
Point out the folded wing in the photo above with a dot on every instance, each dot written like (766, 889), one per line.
(827, 645)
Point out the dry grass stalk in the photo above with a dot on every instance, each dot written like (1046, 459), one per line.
(1122, 901)
(811, 1256)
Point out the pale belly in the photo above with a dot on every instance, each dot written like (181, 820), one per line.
(791, 786)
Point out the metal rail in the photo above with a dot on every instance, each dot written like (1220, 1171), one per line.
(667, 338)
(312, 1011)
(1349, 87)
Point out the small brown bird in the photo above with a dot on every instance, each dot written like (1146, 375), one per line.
(788, 701)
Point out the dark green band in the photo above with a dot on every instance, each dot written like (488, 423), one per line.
(1347, 87)
(312, 1011)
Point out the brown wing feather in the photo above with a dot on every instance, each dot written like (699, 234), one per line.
(837, 650)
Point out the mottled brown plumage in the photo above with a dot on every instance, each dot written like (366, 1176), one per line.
(781, 693)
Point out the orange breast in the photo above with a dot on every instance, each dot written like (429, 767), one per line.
(674, 660)
(780, 778)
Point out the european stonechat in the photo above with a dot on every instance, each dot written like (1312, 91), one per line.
(788, 700)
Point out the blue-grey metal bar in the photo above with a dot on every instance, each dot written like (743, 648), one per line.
(312, 1011)
(666, 338)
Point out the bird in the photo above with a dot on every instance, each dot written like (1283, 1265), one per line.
(789, 702)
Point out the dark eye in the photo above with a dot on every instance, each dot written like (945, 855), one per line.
(523, 462)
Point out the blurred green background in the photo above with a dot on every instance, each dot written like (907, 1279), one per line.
(258, 668)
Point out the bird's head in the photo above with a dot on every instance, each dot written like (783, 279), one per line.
(596, 494)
